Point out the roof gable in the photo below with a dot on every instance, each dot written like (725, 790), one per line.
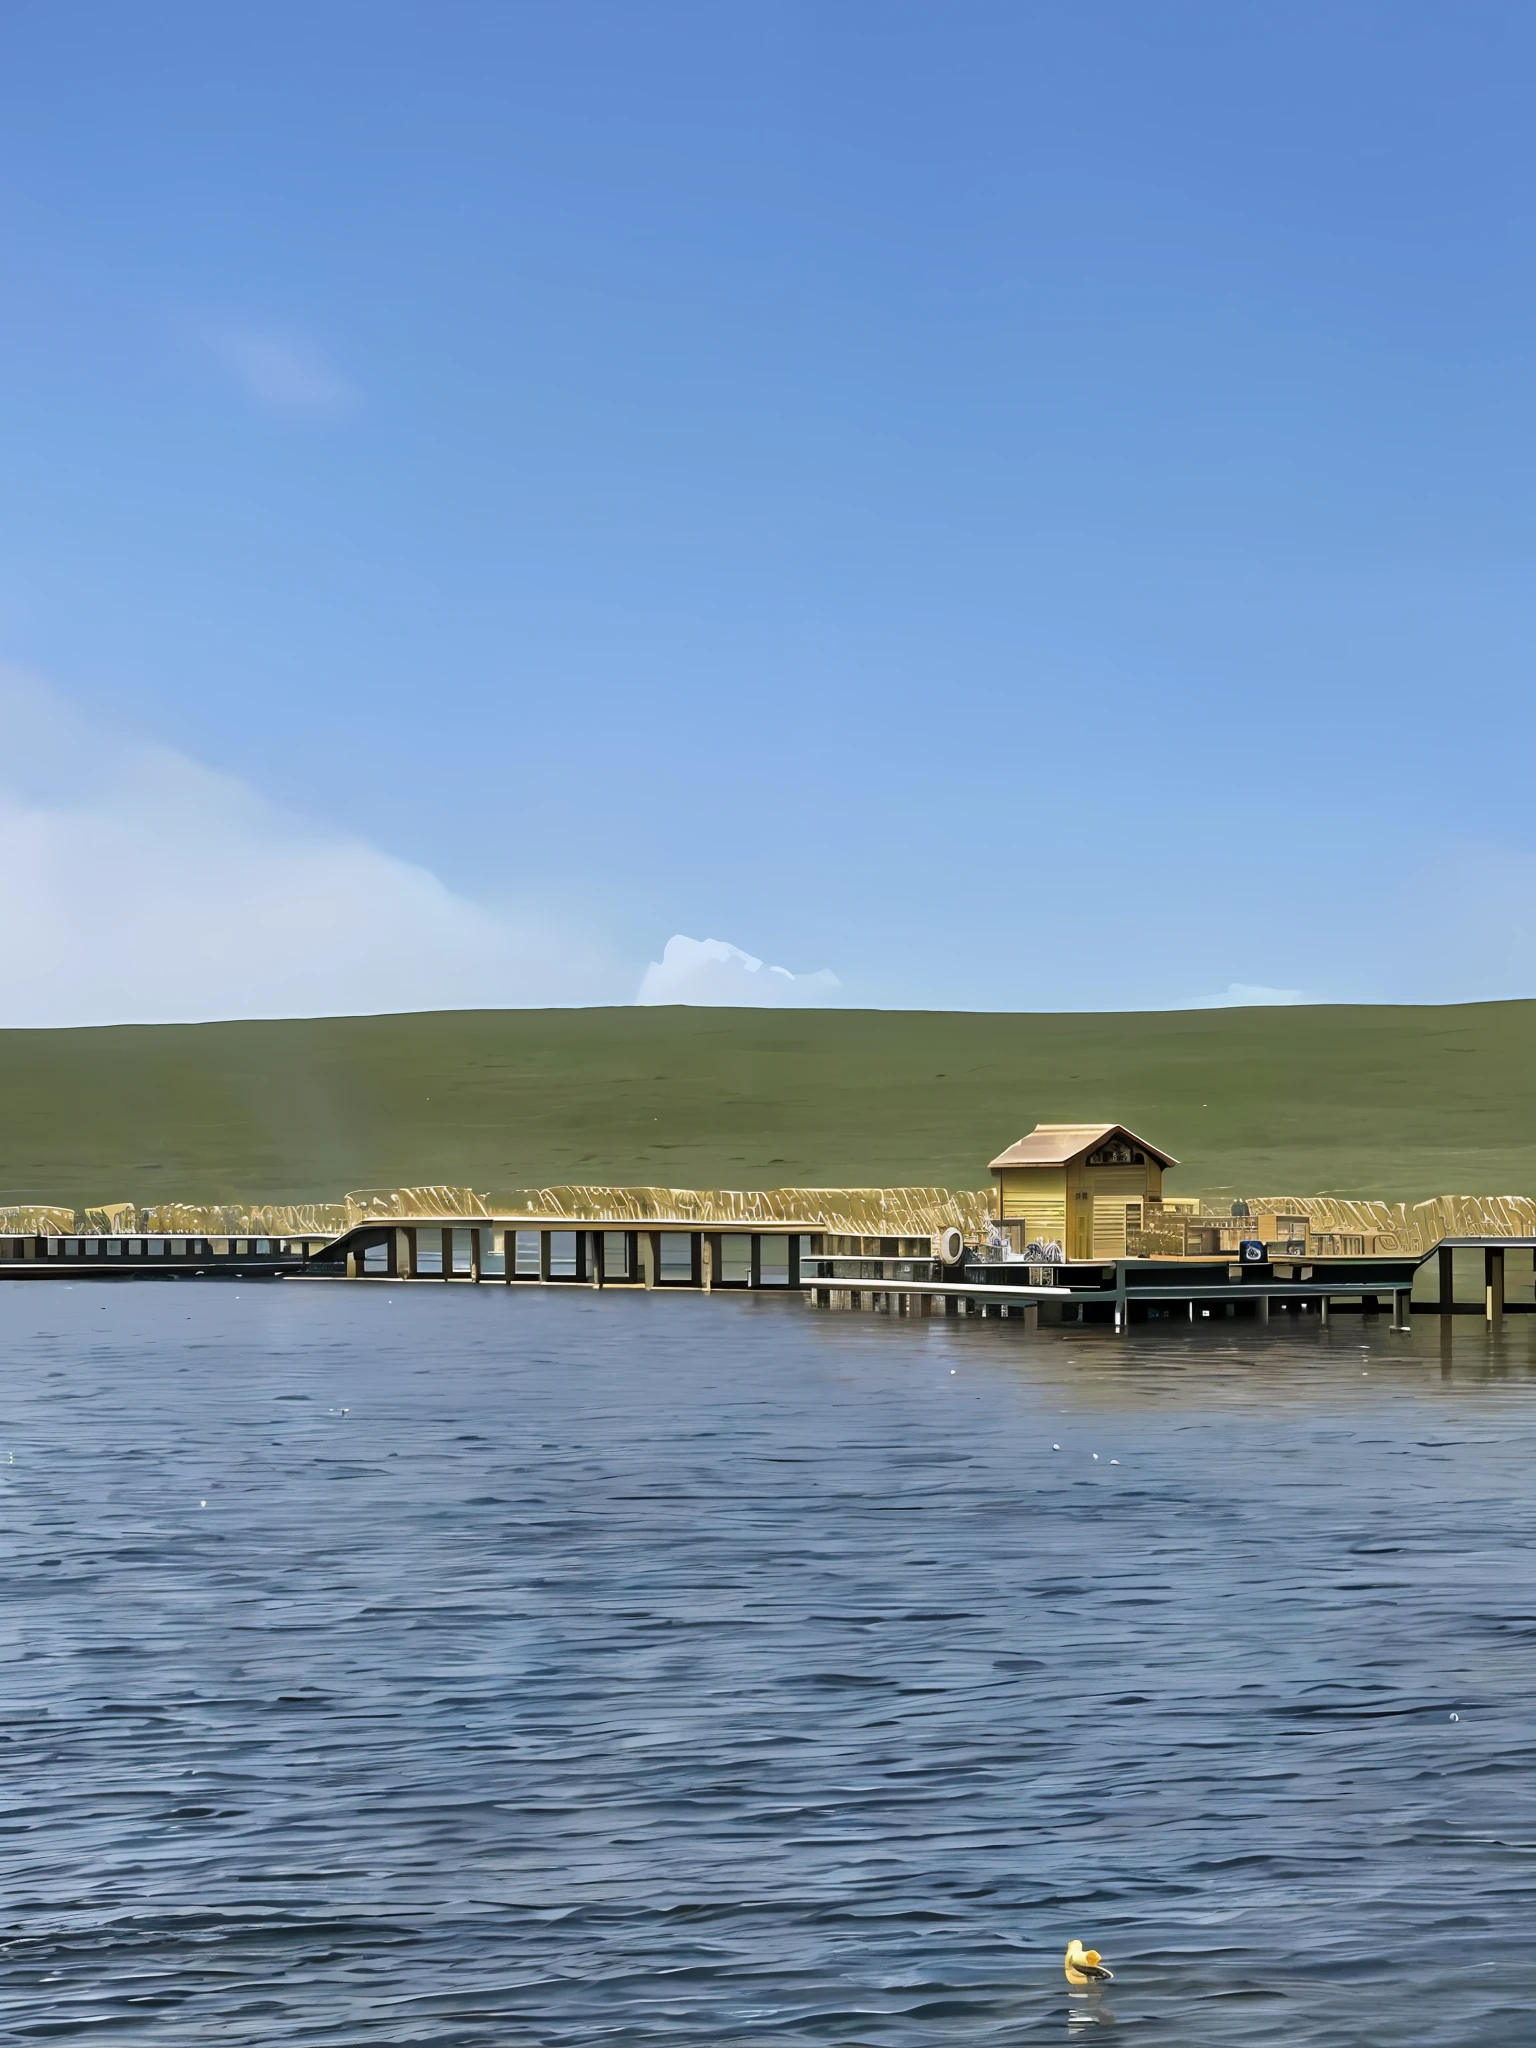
(1059, 1144)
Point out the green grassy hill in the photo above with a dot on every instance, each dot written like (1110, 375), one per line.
(1393, 1102)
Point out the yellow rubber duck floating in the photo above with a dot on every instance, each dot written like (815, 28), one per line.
(1082, 1965)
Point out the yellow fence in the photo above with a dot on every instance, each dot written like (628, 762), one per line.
(1404, 1227)
(30, 1219)
(853, 1212)
(1400, 1227)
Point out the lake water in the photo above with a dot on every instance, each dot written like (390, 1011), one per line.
(450, 1665)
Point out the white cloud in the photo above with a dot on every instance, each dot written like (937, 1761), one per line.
(710, 971)
(140, 886)
(1243, 995)
(280, 374)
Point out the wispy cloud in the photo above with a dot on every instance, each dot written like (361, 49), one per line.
(1243, 995)
(712, 971)
(280, 374)
(144, 887)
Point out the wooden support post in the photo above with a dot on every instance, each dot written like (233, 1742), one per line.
(1263, 1308)
(1493, 1283)
(1322, 1311)
(1031, 1317)
(707, 1263)
(646, 1244)
(1399, 1309)
(1446, 1260)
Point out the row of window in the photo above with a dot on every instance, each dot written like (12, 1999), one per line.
(566, 1255)
(153, 1247)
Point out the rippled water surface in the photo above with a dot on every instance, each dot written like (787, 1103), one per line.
(437, 1665)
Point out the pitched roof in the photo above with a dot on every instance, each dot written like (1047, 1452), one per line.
(1055, 1144)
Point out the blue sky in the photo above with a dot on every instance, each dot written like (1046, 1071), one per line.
(1015, 506)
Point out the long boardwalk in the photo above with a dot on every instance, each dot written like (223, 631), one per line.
(884, 1275)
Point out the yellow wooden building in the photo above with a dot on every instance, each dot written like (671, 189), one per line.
(1082, 1186)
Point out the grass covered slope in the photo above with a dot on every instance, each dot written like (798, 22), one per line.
(1395, 1102)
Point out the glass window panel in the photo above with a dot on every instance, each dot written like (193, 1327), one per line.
(773, 1261)
(736, 1258)
(676, 1255)
(376, 1258)
(615, 1254)
(463, 1252)
(179, 1247)
(493, 1252)
(525, 1261)
(562, 1255)
(155, 1246)
(429, 1251)
(114, 1248)
(264, 1245)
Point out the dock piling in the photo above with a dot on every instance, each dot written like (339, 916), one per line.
(1493, 1284)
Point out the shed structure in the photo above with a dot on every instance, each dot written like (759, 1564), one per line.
(1082, 1186)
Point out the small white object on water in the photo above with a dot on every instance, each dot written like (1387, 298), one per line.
(202, 1503)
(1455, 1717)
(1114, 1461)
(1055, 1447)
(1095, 1457)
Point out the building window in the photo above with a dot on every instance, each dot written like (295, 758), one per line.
(736, 1261)
(429, 1253)
(1116, 1153)
(155, 1246)
(677, 1255)
(773, 1261)
(376, 1258)
(179, 1247)
(525, 1257)
(114, 1248)
(562, 1255)
(615, 1254)
(493, 1252)
(463, 1253)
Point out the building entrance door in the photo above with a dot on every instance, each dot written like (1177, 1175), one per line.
(1082, 1227)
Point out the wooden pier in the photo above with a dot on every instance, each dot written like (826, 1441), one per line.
(884, 1276)
(1118, 1293)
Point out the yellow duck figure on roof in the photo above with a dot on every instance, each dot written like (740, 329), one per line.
(1082, 1965)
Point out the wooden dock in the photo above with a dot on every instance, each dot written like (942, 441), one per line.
(882, 1276)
